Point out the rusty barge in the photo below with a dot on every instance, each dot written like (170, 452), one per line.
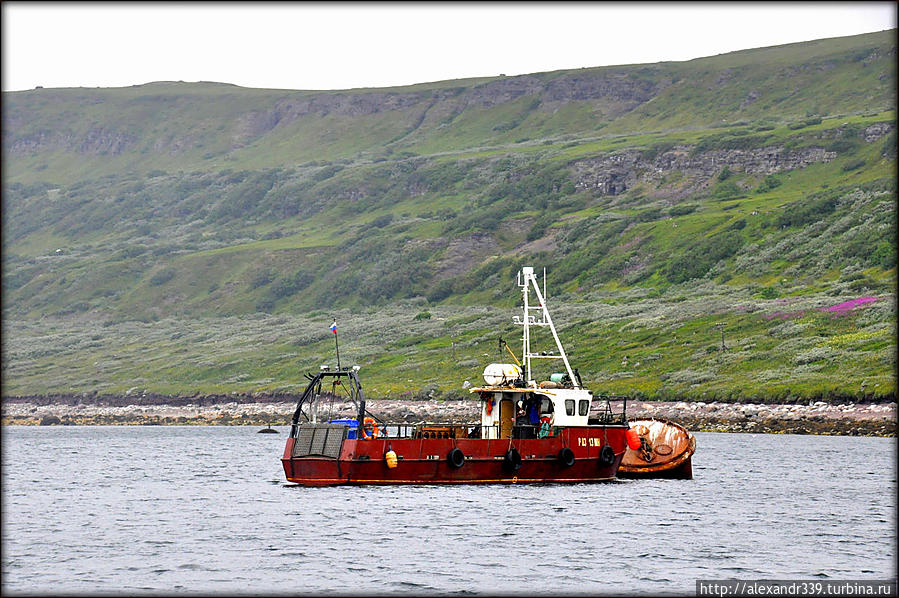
(658, 448)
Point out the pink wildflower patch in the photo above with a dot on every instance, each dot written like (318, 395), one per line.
(840, 309)
(848, 305)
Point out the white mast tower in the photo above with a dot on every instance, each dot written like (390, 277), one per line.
(528, 280)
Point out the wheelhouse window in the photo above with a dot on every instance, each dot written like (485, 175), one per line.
(546, 406)
(583, 407)
(569, 406)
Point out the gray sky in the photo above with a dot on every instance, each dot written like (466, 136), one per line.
(340, 46)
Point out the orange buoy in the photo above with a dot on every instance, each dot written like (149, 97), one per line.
(633, 439)
(390, 457)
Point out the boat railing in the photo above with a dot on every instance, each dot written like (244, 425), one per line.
(305, 431)
(326, 439)
(606, 412)
(432, 430)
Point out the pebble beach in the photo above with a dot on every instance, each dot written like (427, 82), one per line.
(867, 419)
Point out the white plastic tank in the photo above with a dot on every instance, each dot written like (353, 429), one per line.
(497, 374)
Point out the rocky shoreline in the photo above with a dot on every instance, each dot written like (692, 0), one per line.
(856, 419)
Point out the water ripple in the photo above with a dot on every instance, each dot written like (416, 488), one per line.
(206, 510)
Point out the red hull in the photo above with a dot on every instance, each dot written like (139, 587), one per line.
(425, 460)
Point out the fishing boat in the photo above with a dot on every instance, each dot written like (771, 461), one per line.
(658, 448)
(529, 431)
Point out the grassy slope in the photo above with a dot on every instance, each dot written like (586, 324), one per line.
(161, 277)
(203, 126)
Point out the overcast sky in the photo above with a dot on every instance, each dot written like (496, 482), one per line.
(341, 46)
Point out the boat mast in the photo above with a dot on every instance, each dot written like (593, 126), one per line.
(526, 280)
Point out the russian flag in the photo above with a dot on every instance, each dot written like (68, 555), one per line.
(334, 327)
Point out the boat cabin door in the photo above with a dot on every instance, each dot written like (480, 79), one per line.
(506, 417)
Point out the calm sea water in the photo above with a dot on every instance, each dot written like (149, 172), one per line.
(206, 509)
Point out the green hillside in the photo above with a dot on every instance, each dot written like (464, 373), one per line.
(199, 237)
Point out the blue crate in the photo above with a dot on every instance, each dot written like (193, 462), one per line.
(353, 424)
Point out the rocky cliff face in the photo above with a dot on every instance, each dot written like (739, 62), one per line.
(616, 173)
(613, 92)
(616, 86)
(98, 140)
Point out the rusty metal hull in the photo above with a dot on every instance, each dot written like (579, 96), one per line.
(667, 451)
(427, 461)
(684, 471)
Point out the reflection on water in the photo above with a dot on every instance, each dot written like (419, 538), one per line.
(202, 509)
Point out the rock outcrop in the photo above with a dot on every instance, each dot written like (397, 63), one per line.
(616, 173)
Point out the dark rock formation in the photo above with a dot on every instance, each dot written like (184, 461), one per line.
(614, 174)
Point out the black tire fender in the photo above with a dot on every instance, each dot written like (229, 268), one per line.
(456, 458)
(606, 455)
(566, 457)
(512, 460)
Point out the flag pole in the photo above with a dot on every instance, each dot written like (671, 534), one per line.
(336, 346)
